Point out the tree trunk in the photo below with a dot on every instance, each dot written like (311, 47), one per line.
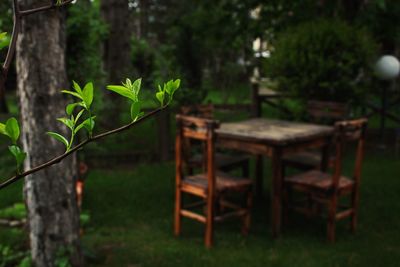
(116, 53)
(352, 8)
(50, 194)
(117, 48)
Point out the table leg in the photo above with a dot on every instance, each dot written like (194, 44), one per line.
(259, 176)
(276, 191)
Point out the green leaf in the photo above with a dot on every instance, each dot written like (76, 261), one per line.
(128, 83)
(70, 108)
(80, 126)
(169, 87)
(4, 40)
(69, 123)
(82, 104)
(121, 90)
(135, 110)
(177, 84)
(59, 137)
(87, 94)
(160, 97)
(89, 124)
(78, 116)
(136, 87)
(72, 93)
(18, 154)
(12, 129)
(3, 129)
(77, 87)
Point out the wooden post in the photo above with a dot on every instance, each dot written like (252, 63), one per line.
(256, 103)
(276, 192)
(259, 176)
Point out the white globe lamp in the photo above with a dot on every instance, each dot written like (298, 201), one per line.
(387, 67)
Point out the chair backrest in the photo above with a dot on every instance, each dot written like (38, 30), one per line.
(326, 112)
(205, 111)
(202, 111)
(349, 131)
(200, 129)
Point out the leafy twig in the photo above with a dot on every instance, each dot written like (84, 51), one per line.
(79, 146)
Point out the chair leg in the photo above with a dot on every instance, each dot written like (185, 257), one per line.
(331, 226)
(220, 208)
(208, 239)
(247, 217)
(245, 169)
(285, 208)
(310, 206)
(259, 176)
(178, 207)
(354, 204)
(331, 230)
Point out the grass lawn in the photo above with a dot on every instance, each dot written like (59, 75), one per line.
(131, 225)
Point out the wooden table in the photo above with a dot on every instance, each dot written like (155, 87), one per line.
(274, 138)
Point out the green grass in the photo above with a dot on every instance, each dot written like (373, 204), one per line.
(131, 225)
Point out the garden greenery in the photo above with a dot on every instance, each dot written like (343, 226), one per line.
(4, 40)
(80, 114)
(324, 59)
(85, 32)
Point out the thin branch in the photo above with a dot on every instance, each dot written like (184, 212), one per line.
(17, 16)
(43, 8)
(13, 42)
(77, 147)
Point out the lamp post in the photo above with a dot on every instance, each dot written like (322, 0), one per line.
(387, 69)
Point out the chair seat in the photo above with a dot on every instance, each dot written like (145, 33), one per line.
(304, 158)
(221, 160)
(307, 159)
(224, 182)
(318, 180)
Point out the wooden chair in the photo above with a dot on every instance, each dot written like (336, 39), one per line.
(320, 112)
(325, 189)
(80, 182)
(223, 161)
(210, 186)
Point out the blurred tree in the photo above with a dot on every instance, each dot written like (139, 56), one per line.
(85, 33)
(117, 49)
(207, 42)
(382, 18)
(50, 196)
(326, 59)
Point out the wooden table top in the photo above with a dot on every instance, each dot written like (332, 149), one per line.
(273, 131)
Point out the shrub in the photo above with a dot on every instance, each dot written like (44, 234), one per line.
(324, 60)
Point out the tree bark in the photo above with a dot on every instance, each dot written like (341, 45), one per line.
(116, 53)
(352, 8)
(117, 47)
(50, 196)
